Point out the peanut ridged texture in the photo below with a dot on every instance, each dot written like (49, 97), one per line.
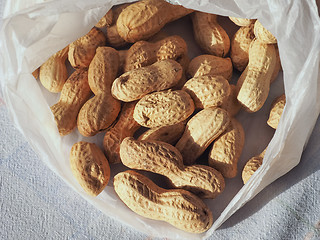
(276, 110)
(163, 108)
(179, 208)
(242, 22)
(99, 112)
(263, 34)
(53, 72)
(252, 166)
(163, 158)
(254, 83)
(208, 91)
(169, 134)
(226, 150)
(142, 19)
(201, 130)
(210, 65)
(232, 105)
(106, 20)
(74, 94)
(82, 51)
(125, 126)
(90, 167)
(137, 83)
(209, 35)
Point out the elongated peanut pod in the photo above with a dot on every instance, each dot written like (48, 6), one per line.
(82, 51)
(163, 108)
(254, 83)
(137, 83)
(201, 130)
(208, 91)
(142, 19)
(106, 20)
(90, 167)
(209, 35)
(263, 34)
(226, 150)
(252, 166)
(74, 94)
(162, 158)
(240, 44)
(169, 134)
(178, 207)
(125, 126)
(276, 110)
(53, 72)
(210, 65)
(242, 22)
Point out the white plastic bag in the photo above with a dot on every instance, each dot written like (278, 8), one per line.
(33, 31)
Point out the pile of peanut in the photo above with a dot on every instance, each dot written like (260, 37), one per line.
(129, 75)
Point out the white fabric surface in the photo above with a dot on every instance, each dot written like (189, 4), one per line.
(36, 204)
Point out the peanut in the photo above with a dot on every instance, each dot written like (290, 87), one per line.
(252, 166)
(142, 19)
(164, 159)
(125, 126)
(226, 150)
(178, 207)
(263, 34)
(201, 130)
(232, 105)
(106, 20)
(112, 35)
(169, 134)
(242, 22)
(276, 110)
(137, 83)
(74, 94)
(209, 35)
(53, 72)
(277, 67)
(254, 83)
(210, 65)
(240, 44)
(207, 91)
(144, 53)
(163, 108)
(82, 51)
(90, 167)
(99, 112)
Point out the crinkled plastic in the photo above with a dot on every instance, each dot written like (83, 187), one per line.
(34, 30)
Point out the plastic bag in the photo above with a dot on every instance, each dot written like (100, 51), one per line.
(33, 31)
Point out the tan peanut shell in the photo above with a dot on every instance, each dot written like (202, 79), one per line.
(210, 65)
(106, 20)
(263, 34)
(169, 134)
(144, 53)
(103, 70)
(178, 207)
(209, 34)
(163, 158)
(226, 150)
(53, 72)
(232, 105)
(276, 110)
(142, 19)
(125, 126)
(252, 166)
(278, 66)
(240, 44)
(208, 91)
(137, 83)
(242, 22)
(74, 94)
(163, 108)
(82, 51)
(112, 35)
(201, 130)
(99, 112)
(90, 167)
(254, 83)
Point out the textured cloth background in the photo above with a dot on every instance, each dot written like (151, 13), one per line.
(36, 204)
